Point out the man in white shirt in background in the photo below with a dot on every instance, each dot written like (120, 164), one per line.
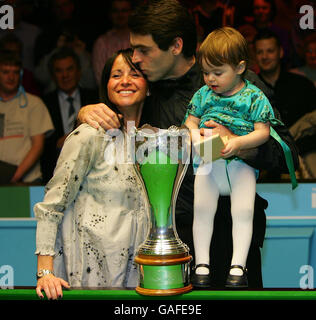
(24, 123)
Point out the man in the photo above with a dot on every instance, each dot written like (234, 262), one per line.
(264, 13)
(24, 121)
(114, 39)
(10, 42)
(27, 32)
(63, 104)
(293, 95)
(164, 39)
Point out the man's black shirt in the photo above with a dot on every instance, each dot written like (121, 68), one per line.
(169, 99)
(166, 106)
(293, 96)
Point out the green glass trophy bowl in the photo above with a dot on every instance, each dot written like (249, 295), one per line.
(162, 158)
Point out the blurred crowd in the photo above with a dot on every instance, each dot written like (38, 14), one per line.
(54, 57)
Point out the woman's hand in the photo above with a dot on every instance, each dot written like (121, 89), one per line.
(99, 115)
(52, 287)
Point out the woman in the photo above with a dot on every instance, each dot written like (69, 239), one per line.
(93, 216)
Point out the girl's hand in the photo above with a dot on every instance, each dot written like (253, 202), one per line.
(52, 287)
(231, 148)
(217, 128)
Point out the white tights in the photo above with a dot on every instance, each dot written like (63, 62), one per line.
(210, 182)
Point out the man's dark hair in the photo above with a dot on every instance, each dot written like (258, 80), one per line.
(8, 39)
(10, 58)
(267, 34)
(165, 20)
(63, 53)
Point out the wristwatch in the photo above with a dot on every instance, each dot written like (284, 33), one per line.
(43, 272)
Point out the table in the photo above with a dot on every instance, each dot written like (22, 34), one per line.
(116, 294)
(127, 304)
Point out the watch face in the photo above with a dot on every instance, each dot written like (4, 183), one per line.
(43, 272)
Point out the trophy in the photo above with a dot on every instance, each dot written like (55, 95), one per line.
(162, 158)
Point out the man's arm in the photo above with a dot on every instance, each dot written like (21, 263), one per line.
(31, 157)
(270, 155)
(99, 115)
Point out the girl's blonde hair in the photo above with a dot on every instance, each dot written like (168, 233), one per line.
(224, 46)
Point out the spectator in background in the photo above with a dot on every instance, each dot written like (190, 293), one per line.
(208, 16)
(249, 32)
(304, 133)
(63, 104)
(26, 32)
(309, 68)
(293, 95)
(113, 40)
(63, 10)
(286, 11)
(59, 16)
(12, 43)
(70, 39)
(24, 121)
(264, 12)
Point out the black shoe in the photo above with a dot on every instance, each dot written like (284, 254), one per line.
(201, 280)
(237, 282)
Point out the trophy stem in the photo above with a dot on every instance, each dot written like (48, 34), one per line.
(159, 175)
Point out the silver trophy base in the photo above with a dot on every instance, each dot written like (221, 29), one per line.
(162, 242)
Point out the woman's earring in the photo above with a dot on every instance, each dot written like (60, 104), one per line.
(148, 93)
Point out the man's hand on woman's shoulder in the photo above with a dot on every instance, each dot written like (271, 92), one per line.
(99, 114)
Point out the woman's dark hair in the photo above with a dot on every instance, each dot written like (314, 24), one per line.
(165, 20)
(127, 54)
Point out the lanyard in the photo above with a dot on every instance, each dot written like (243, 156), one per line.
(19, 94)
(288, 157)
